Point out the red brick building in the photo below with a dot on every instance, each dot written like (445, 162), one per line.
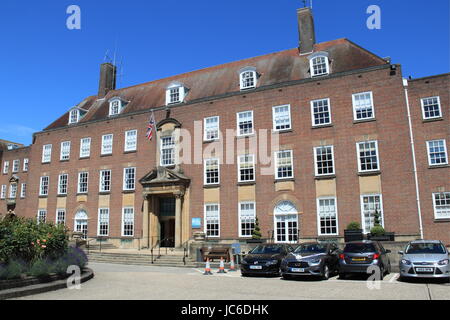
(355, 140)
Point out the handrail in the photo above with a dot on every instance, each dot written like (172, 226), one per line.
(163, 242)
(185, 251)
(153, 247)
(87, 244)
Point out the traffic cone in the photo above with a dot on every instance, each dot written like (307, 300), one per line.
(232, 267)
(222, 266)
(207, 268)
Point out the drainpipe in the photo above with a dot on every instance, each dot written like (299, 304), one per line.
(416, 178)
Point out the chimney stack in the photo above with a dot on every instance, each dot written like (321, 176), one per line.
(307, 35)
(107, 79)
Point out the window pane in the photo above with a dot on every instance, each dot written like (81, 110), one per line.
(212, 220)
(363, 106)
(324, 160)
(437, 152)
(442, 205)
(431, 107)
(321, 112)
(368, 156)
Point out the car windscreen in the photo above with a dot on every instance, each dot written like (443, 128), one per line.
(267, 250)
(311, 248)
(424, 248)
(359, 248)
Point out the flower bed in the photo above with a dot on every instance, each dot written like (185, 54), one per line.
(28, 248)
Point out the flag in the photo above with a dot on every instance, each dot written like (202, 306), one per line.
(151, 127)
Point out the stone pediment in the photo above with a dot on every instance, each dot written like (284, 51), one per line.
(162, 175)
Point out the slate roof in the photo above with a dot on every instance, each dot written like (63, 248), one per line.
(273, 68)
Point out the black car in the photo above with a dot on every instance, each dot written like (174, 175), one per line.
(312, 259)
(359, 256)
(265, 259)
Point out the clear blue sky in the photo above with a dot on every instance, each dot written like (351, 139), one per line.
(45, 69)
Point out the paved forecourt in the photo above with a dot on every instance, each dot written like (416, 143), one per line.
(156, 283)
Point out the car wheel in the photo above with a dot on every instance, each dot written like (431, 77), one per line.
(325, 273)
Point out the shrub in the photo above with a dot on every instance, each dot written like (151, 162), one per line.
(354, 226)
(40, 268)
(26, 240)
(256, 235)
(12, 270)
(377, 231)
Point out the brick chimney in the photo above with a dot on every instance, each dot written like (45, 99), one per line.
(107, 79)
(307, 35)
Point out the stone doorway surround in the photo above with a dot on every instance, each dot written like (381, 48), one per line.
(163, 182)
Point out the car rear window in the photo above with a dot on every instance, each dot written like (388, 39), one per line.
(311, 248)
(424, 248)
(267, 249)
(359, 248)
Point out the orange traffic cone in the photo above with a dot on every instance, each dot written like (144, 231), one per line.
(232, 267)
(207, 268)
(222, 266)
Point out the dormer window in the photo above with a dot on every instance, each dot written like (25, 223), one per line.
(319, 64)
(76, 114)
(116, 105)
(175, 93)
(248, 78)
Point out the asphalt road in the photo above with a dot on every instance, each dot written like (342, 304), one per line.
(159, 283)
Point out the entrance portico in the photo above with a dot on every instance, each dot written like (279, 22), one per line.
(166, 210)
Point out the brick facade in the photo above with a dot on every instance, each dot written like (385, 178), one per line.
(394, 181)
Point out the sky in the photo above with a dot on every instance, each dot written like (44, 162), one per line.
(45, 68)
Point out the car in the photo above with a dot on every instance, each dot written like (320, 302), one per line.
(359, 257)
(311, 259)
(265, 259)
(425, 259)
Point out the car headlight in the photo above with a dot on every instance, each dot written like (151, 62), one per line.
(443, 262)
(407, 262)
(272, 262)
(315, 262)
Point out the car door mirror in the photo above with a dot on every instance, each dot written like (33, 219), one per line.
(401, 253)
(388, 251)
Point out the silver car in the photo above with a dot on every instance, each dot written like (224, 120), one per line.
(425, 259)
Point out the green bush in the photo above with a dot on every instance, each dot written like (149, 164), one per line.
(36, 249)
(377, 231)
(256, 234)
(354, 226)
(26, 240)
(40, 268)
(13, 270)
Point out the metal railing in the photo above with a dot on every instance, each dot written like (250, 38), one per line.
(88, 244)
(166, 242)
(185, 246)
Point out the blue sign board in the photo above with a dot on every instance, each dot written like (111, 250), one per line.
(196, 223)
(236, 248)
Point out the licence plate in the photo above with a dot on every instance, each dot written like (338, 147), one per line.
(297, 270)
(424, 269)
(256, 267)
(359, 259)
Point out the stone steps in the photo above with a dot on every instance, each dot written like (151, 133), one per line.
(136, 259)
